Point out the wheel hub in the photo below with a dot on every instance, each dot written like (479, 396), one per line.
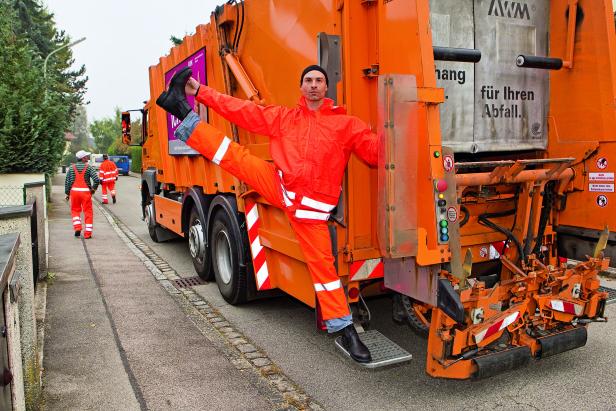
(223, 256)
(149, 215)
(196, 243)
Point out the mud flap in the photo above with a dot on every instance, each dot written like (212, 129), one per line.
(492, 364)
(561, 342)
(449, 301)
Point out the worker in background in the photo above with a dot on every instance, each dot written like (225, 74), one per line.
(108, 174)
(81, 183)
(310, 145)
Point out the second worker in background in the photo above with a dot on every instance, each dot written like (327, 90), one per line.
(108, 174)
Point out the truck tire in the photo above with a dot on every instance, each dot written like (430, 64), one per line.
(417, 316)
(150, 220)
(231, 277)
(199, 252)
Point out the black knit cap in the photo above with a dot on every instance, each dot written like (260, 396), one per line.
(311, 68)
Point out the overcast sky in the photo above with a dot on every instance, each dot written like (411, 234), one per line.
(124, 38)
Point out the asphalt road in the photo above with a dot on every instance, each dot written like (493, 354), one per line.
(284, 328)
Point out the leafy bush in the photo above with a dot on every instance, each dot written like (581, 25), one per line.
(136, 159)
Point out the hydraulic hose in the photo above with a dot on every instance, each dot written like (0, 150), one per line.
(484, 219)
(466, 215)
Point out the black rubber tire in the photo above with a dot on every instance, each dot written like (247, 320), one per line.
(152, 230)
(230, 277)
(418, 326)
(203, 263)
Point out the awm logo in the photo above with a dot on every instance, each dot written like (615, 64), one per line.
(511, 9)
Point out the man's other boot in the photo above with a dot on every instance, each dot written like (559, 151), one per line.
(113, 199)
(174, 100)
(351, 342)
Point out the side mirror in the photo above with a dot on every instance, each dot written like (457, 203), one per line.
(126, 128)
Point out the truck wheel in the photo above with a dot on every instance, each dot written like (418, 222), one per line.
(150, 220)
(199, 252)
(225, 247)
(417, 316)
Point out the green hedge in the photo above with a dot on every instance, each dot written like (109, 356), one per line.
(135, 155)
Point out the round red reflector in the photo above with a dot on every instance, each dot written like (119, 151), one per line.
(353, 292)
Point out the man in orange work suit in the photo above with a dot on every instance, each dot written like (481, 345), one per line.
(80, 184)
(310, 145)
(108, 174)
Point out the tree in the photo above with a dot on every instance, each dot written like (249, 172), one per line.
(107, 134)
(175, 40)
(105, 131)
(32, 122)
(119, 148)
(36, 25)
(34, 113)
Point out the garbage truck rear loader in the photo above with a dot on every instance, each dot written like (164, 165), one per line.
(497, 129)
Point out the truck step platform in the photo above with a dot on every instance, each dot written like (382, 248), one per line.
(611, 298)
(384, 351)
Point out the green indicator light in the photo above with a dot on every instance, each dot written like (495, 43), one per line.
(444, 223)
(437, 154)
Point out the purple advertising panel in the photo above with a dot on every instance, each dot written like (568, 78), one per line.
(197, 63)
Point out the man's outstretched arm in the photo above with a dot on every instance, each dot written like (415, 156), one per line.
(265, 120)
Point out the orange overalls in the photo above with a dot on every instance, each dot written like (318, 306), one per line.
(107, 173)
(81, 200)
(310, 152)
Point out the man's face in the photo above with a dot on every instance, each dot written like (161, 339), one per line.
(314, 86)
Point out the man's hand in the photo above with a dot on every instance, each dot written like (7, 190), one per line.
(192, 87)
(92, 191)
(116, 178)
(67, 197)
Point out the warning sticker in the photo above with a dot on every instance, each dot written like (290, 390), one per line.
(483, 252)
(448, 163)
(601, 188)
(452, 214)
(493, 253)
(601, 200)
(601, 177)
(602, 163)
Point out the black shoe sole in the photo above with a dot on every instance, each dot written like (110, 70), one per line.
(175, 80)
(77, 233)
(160, 101)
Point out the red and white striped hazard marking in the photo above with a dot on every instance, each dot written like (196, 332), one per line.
(363, 270)
(258, 253)
(496, 327)
(566, 307)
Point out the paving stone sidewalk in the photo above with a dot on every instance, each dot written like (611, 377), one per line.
(116, 340)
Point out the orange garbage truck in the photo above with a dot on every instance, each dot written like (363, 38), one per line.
(497, 132)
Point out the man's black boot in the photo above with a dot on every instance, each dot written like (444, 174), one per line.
(78, 233)
(174, 100)
(113, 199)
(351, 342)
